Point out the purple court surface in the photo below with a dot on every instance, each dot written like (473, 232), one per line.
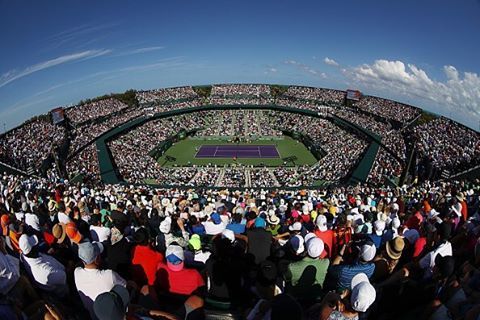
(237, 151)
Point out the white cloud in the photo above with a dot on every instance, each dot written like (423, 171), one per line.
(459, 93)
(147, 49)
(141, 50)
(305, 68)
(330, 62)
(13, 75)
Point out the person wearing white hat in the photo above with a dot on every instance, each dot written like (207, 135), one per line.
(362, 296)
(376, 236)
(273, 223)
(363, 293)
(299, 268)
(325, 234)
(47, 273)
(344, 273)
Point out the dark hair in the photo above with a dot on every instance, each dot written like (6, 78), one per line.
(193, 220)
(61, 206)
(141, 236)
(237, 217)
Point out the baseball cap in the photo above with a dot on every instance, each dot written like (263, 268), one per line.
(165, 225)
(396, 223)
(322, 223)
(309, 236)
(363, 293)
(297, 226)
(260, 223)
(297, 244)
(195, 242)
(89, 251)
(216, 218)
(228, 234)
(112, 305)
(295, 214)
(26, 243)
(367, 252)
(175, 257)
(411, 235)
(72, 232)
(315, 247)
(379, 226)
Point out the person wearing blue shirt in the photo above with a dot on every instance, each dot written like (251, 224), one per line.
(237, 226)
(344, 273)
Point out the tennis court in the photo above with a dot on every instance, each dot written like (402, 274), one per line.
(238, 151)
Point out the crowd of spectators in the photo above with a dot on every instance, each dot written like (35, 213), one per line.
(343, 149)
(71, 251)
(305, 105)
(448, 144)
(391, 138)
(240, 94)
(170, 106)
(27, 146)
(289, 176)
(167, 94)
(384, 166)
(130, 150)
(247, 100)
(235, 90)
(85, 163)
(83, 135)
(233, 177)
(245, 124)
(93, 110)
(321, 95)
(388, 109)
(205, 176)
(262, 178)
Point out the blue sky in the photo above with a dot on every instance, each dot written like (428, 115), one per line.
(55, 53)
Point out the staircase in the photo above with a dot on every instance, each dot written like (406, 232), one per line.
(275, 181)
(31, 171)
(219, 180)
(445, 174)
(248, 178)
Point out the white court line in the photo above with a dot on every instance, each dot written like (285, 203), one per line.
(215, 154)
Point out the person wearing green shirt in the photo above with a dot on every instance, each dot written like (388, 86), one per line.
(305, 277)
(273, 223)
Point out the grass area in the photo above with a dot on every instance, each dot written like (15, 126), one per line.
(184, 151)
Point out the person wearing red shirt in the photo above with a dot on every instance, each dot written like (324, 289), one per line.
(326, 235)
(464, 209)
(145, 259)
(414, 221)
(173, 277)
